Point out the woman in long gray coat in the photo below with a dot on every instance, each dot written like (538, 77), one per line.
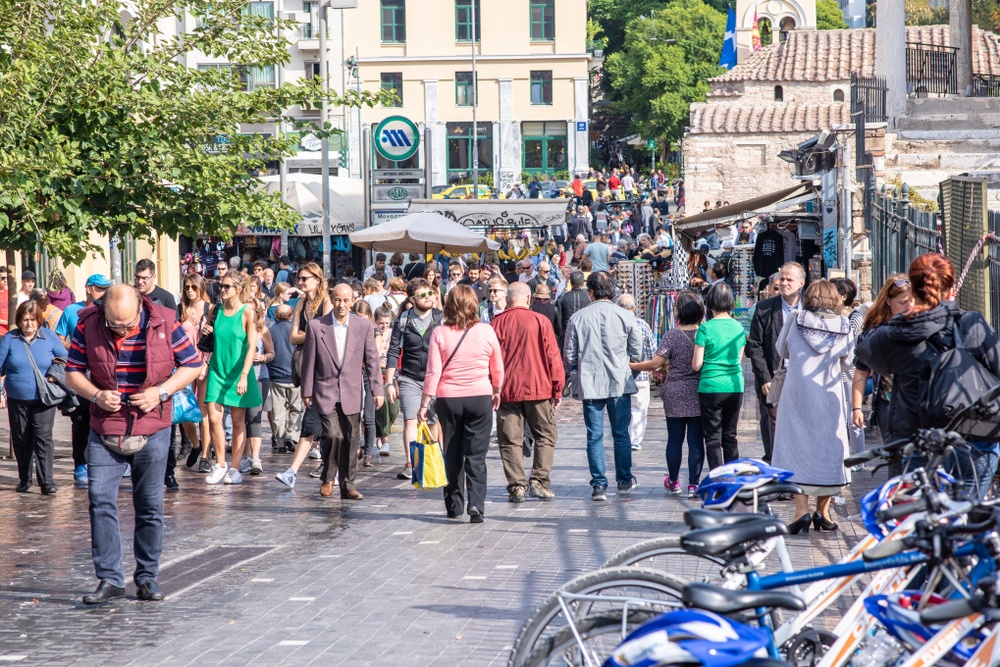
(811, 435)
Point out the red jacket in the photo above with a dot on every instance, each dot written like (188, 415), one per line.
(102, 361)
(533, 368)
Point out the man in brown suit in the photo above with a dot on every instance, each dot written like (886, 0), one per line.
(337, 346)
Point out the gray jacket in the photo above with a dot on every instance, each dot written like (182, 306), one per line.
(601, 339)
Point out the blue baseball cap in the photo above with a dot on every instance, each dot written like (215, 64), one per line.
(98, 280)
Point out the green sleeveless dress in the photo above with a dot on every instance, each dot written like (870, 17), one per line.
(224, 368)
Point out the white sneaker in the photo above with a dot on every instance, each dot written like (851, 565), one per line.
(216, 474)
(314, 454)
(255, 467)
(245, 464)
(233, 477)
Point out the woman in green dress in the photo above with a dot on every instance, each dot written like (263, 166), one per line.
(228, 369)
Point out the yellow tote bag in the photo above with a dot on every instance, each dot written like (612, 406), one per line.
(428, 462)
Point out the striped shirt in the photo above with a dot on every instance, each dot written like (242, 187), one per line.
(131, 368)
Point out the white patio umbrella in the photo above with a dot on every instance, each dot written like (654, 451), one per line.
(304, 193)
(422, 232)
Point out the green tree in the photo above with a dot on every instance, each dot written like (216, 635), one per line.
(664, 66)
(104, 129)
(829, 16)
(614, 15)
(919, 12)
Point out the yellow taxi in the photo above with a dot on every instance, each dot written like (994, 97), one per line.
(461, 192)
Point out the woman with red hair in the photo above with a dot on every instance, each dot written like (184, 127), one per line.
(907, 344)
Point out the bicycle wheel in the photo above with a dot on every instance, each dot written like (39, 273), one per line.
(601, 634)
(666, 555)
(632, 582)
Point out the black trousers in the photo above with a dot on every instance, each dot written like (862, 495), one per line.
(31, 434)
(720, 416)
(80, 424)
(466, 424)
(339, 446)
(368, 443)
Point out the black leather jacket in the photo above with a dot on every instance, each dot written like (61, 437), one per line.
(406, 342)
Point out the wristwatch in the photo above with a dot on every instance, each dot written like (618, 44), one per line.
(164, 396)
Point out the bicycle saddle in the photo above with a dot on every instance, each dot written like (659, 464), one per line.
(698, 518)
(715, 541)
(722, 601)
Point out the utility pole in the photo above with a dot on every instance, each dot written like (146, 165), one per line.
(475, 103)
(324, 118)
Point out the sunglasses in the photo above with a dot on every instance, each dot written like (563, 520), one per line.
(497, 291)
(423, 295)
(223, 286)
(901, 283)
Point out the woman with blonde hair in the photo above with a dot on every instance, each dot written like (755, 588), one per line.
(465, 373)
(235, 331)
(193, 312)
(313, 302)
(59, 295)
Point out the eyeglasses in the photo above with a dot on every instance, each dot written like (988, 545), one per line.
(423, 295)
(223, 286)
(125, 327)
(544, 271)
(143, 279)
(190, 288)
(901, 283)
(497, 291)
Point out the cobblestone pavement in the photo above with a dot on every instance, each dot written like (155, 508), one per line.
(257, 574)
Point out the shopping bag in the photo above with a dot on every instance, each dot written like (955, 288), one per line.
(428, 462)
(185, 408)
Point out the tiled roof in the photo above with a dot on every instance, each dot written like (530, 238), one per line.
(831, 55)
(707, 118)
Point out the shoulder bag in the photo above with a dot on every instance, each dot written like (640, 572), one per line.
(51, 394)
(777, 382)
(207, 341)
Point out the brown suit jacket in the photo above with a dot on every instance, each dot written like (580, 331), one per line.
(323, 374)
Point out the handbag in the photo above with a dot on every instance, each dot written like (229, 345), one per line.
(428, 461)
(50, 393)
(777, 382)
(185, 408)
(297, 366)
(207, 341)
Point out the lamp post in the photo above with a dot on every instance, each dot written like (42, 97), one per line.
(475, 103)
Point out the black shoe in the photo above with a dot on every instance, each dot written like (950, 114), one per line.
(800, 525)
(49, 489)
(171, 482)
(150, 591)
(599, 493)
(105, 591)
(475, 516)
(23, 487)
(823, 525)
(192, 459)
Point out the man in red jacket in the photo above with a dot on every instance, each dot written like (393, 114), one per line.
(532, 389)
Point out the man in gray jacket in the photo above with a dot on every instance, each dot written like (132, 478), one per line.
(601, 340)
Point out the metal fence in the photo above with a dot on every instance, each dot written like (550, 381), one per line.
(899, 233)
(931, 70)
(985, 86)
(868, 97)
(965, 222)
(993, 261)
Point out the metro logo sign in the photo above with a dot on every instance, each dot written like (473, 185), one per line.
(396, 138)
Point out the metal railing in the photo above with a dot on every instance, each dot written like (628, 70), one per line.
(993, 261)
(985, 86)
(930, 70)
(868, 96)
(899, 233)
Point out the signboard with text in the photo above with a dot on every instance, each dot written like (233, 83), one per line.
(399, 192)
(497, 213)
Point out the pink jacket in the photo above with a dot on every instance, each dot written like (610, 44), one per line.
(476, 368)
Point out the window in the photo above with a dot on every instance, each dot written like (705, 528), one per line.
(779, 94)
(313, 70)
(541, 87)
(252, 77)
(307, 31)
(464, 10)
(394, 81)
(544, 147)
(265, 9)
(394, 21)
(464, 95)
(460, 150)
(543, 20)
(838, 95)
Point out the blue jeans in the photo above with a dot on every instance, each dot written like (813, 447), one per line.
(105, 469)
(977, 465)
(620, 415)
(676, 427)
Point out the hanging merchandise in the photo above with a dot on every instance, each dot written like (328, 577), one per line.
(660, 312)
(635, 278)
(745, 279)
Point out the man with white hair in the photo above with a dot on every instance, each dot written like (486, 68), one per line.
(640, 399)
(527, 271)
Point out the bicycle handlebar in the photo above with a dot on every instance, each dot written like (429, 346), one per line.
(884, 549)
(949, 611)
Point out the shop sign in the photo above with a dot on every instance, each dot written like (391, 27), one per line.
(304, 228)
(397, 193)
(396, 138)
(487, 213)
(385, 216)
(386, 174)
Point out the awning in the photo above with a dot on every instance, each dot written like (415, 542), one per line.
(694, 224)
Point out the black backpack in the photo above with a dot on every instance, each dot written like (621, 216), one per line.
(957, 380)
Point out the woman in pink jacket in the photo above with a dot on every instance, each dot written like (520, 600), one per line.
(465, 373)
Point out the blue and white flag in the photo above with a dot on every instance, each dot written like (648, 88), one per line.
(728, 57)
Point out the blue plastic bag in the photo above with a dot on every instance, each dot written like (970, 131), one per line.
(185, 408)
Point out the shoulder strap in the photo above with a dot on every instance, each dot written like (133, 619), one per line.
(452, 355)
(31, 357)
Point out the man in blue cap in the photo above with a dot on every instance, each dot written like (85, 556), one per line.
(95, 288)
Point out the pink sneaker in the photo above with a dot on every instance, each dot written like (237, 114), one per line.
(692, 491)
(673, 486)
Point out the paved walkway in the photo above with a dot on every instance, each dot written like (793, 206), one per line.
(257, 574)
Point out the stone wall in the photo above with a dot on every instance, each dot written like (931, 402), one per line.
(821, 92)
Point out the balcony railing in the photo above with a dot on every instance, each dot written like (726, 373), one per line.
(930, 70)
(985, 85)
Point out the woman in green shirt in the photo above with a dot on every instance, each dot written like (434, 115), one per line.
(718, 349)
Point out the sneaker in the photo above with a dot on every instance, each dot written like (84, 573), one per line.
(80, 474)
(636, 447)
(368, 461)
(692, 490)
(516, 496)
(540, 492)
(290, 447)
(192, 459)
(314, 454)
(318, 472)
(216, 474)
(234, 476)
(406, 472)
(245, 464)
(205, 465)
(255, 467)
(625, 488)
(170, 481)
(128, 470)
(673, 486)
(384, 449)
(600, 493)
(286, 477)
